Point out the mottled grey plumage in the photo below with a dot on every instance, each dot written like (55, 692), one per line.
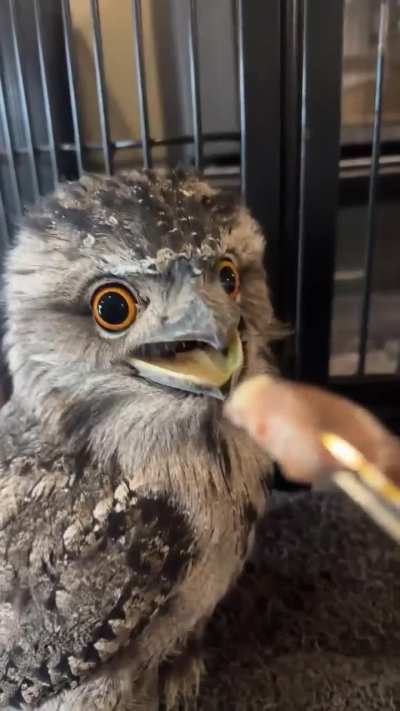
(127, 508)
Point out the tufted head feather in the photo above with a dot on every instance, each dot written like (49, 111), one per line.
(162, 238)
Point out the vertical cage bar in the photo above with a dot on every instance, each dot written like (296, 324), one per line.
(4, 235)
(319, 179)
(288, 248)
(260, 108)
(46, 94)
(24, 101)
(101, 87)
(141, 82)
(373, 184)
(72, 84)
(292, 65)
(195, 84)
(242, 103)
(9, 151)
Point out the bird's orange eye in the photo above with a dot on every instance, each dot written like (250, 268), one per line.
(229, 277)
(114, 307)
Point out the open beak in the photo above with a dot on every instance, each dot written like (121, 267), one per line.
(198, 348)
(192, 366)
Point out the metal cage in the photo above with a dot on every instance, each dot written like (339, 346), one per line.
(283, 150)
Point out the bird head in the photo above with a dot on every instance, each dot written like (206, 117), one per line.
(141, 278)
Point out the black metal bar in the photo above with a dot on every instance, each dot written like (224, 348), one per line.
(304, 130)
(291, 63)
(46, 94)
(141, 82)
(101, 87)
(4, 235)
(350, 168)
(260, 105)
(4, 119)
(234, 12)
(195, 84)
(359, 167)
(125, 144)
(241, 93)
(376, 140)
(187, 139)
(319, 171)
(221, 174)
(72, 83)
(24, 101)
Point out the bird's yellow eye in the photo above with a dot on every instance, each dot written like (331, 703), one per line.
(229, 277)
(114, 307)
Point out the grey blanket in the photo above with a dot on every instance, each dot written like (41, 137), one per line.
(317, 626)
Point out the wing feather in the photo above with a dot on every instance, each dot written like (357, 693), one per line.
(86, 561)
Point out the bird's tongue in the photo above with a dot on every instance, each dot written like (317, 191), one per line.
(204, 366)
(209, 365)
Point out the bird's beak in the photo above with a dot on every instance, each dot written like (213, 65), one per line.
(202, 360)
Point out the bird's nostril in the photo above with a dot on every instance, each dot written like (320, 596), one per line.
(163, 319)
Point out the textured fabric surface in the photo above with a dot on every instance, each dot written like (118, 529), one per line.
(317, 625)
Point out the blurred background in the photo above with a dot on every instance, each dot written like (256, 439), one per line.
(293, 103)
